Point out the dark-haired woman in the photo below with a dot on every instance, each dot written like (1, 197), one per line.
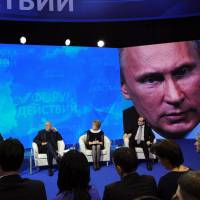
(171, 157)
(74, 177)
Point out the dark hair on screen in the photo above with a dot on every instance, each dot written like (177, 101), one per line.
(189, 184)
(11, 155)
(167, 149)
(74, 175)
(126, 158)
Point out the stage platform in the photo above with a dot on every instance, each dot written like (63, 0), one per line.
(108, 174)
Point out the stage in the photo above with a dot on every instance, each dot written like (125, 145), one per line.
(108, 174)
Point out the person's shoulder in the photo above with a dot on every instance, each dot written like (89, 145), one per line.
(130, 109)
(33, 183)
(167, 178)
(113, 185)
(147, 178)
(41, 131)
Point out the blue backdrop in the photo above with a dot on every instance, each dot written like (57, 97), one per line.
(68, 85)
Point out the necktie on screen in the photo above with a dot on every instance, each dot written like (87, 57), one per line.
(139, 134)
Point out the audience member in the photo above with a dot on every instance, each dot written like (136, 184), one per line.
(95, 142)
(188, 186)
(197, 143)
(132, 185)
(74, 177)
(12, 185)
(171, 157)
(147, 198)
(47, 143)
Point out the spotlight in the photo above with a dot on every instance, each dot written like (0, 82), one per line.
(67, 42)
(23, 40)
(100, 43)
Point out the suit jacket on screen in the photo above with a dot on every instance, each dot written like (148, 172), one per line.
(14, 187)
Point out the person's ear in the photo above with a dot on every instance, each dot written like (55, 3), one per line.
(125, 91)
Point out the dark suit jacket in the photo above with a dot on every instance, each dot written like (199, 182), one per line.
(1, 138)
(130, 187)
(130, 119)
(44, 136)
(15, 187)
(148, 134)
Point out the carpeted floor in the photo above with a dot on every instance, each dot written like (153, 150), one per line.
(108, 174)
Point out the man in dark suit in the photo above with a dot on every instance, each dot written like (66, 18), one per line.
(138, 133)
(132, 185)
(12, 185)
(47, 143)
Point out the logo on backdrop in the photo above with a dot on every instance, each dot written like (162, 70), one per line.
(98, 10)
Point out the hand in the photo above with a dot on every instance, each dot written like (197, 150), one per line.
(54, 129)
(96, 142)
(148, 143)
(44, 143)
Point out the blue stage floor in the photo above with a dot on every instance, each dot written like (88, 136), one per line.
(108, 174)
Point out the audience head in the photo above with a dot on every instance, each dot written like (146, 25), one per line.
(147, 198)
(11, 155)
(189, 186)
(96, 124)
(197, 143)
(169, 154)
(74, 174)
(125, 160)
(48, 125)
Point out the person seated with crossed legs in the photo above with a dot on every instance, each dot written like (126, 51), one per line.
(95, 142)
(47, 143)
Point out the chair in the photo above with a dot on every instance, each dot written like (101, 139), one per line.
(40, 159)
(105, 153)
(139, 151)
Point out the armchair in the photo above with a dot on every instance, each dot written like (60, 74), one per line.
(105, 153)
(40, 159)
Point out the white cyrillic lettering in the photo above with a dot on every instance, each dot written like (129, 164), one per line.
(62, 3)
(9, 4)
(42, 3)
(23, 5)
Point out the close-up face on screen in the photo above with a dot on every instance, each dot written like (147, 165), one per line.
(163, 82)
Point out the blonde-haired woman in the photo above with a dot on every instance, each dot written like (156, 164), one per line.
(95, 142)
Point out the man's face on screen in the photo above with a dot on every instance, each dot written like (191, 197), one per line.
(163, 81)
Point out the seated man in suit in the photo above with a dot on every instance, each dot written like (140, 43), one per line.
(47, 143)
(141, 136)
(12, 185)
(132, 185)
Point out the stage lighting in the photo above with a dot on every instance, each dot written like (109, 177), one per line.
(100, 43)
(23, 40)
(67, 42)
